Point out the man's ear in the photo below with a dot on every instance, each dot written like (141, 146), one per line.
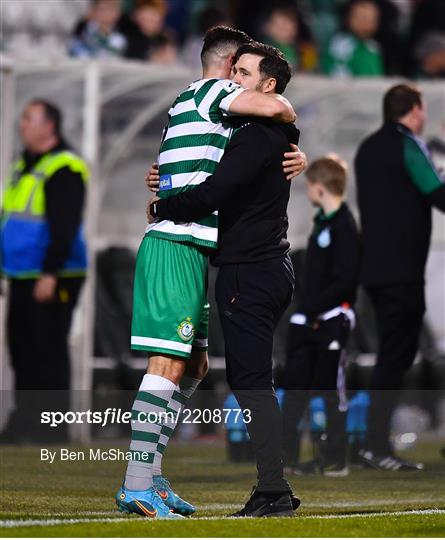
(270, 85)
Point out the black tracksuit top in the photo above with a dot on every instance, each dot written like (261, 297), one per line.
(332, 264)
(251, 192)
(397, 186)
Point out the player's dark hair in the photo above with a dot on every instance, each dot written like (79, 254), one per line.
(52, 114)
(273, 63)
(399, 100)
(221, 41)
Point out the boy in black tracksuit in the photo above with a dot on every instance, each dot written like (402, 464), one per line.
(319, 329)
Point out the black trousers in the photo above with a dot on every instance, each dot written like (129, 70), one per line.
(313, 357)
(38, 347)
(399, 310)
(251, 299)
(38, 335)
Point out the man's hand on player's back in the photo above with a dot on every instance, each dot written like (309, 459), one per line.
(294, 164)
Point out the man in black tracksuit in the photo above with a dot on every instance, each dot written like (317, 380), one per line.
(319, 330)
(397, 188)
(255, 282)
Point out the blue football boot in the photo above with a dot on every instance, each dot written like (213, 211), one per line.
(145, 503)
(169, 497)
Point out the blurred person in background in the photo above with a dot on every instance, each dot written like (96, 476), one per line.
(282, 29)
(430, 55)
(145, 33)
(319, 330)
(427, 16)
(164, 50)
(44, 257)
(208, 18)
(398, 186)
(354, 52)
(389, 35)
(98, 35)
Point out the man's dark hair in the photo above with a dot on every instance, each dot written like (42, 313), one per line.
(273, 63)
(220, 41)
(52, 114)
(399, 100)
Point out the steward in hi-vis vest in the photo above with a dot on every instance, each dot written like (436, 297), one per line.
(43, 255)
(25, 230)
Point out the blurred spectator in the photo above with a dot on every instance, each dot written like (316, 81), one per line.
(324, 21)
(354, 52)
(282, 30)
(427, 16)
(388, 35)
(164, 50)
(143, 28)
(44, 257)
(97, 35)
(209, 17)
(430, 55)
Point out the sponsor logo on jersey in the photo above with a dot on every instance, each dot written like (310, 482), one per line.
(165, 182)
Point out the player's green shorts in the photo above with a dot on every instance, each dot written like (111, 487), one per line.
(170, 309)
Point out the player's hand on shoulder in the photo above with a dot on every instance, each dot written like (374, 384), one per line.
(295, 162)
(152, 178)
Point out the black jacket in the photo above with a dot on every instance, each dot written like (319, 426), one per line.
(251, 192)
(331, 269)
(397, 185)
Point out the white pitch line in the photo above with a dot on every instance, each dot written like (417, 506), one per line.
(352, 504)
(51, 522)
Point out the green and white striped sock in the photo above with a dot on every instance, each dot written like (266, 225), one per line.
(182, 393)
(152, 399)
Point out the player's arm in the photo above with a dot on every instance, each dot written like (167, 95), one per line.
(254, 103)
(242, 161)
(423, 173)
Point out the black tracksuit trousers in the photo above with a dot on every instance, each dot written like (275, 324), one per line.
(313, 357)
(38, 346)
(251, 299)
(38, 335)
(399, 310)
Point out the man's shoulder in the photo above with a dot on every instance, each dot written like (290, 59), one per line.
(264, 128)
(375, 139)
(254, 133)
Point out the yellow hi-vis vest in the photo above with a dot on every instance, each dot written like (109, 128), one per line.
(25, 234)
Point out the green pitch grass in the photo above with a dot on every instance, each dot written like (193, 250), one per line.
(69, 499)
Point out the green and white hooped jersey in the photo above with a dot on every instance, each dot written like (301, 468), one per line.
(193, 145)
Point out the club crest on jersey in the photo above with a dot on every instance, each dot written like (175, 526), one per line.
(186, 330)
(324, 238)
(165, 182)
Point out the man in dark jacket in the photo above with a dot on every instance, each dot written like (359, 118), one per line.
(397, 188)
